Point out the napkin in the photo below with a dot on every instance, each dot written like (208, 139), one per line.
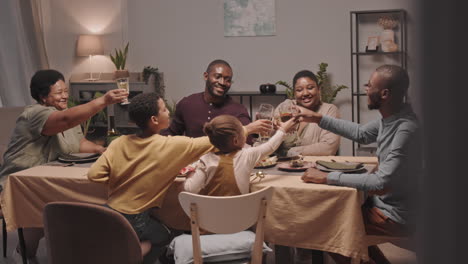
(339, 165)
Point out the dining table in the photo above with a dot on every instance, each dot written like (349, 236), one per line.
(304, 215)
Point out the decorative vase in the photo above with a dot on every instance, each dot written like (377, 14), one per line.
(268, 88)
(387, 34)
(121, 74)
(389, 46)
(387, 40)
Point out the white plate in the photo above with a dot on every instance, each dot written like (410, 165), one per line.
(286, 166)
(322, 168)
(266, 167)
(79, 157)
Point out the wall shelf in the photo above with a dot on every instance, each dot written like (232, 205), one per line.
(83, 91)
(364, 24)
(369, 53)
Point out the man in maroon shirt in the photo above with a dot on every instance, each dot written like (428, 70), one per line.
(193, 111)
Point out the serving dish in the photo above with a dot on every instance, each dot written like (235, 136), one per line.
(286, 166)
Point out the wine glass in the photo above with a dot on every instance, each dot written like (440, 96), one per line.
(286, 111)
(265, 111)
(123, 83)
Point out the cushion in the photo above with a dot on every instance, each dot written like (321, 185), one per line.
(215, 248)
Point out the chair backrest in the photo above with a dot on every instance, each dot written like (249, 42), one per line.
(226, 214)
(87, 233)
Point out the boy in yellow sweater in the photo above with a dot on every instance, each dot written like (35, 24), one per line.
(138, 169)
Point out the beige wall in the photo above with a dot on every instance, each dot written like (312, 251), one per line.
(181, 37)
(65, 20)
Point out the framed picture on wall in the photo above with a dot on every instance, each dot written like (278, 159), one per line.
(372, 44)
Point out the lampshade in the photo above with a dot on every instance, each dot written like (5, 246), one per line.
(89, 45)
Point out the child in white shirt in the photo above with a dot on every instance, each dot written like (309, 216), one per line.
(227, 172)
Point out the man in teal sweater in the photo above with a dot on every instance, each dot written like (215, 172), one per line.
(389, 209)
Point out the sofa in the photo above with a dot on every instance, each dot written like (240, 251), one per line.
(8, 116)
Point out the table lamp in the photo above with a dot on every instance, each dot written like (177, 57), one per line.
(89, 45)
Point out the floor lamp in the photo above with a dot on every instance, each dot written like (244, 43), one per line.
(89, 45)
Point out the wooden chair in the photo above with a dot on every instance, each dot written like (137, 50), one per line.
(399, 241)
(4, 233)
(5, 238)
(87, 233)
(226, 215)
(405, 242)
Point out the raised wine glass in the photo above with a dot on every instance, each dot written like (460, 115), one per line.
(286, 111)
(265, 111)
(123, 83)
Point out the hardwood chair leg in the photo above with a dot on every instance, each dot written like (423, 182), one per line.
(22, 245)
(377, 255)
(283, 254)
(317, 256)
(4, 235)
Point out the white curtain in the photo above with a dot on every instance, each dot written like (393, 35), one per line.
(22, 50)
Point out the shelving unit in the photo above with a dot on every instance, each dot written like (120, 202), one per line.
(364, 24)
(83, 91)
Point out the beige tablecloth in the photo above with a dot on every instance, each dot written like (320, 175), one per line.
(302, 215)
(314, 216)
(27, 192)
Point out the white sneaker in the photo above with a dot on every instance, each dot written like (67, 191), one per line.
(18, 259)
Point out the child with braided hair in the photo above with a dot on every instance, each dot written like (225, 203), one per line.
(227, 172)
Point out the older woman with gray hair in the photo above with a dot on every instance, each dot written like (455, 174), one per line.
(49, 128)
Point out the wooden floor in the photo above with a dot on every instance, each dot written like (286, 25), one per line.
(394, 254)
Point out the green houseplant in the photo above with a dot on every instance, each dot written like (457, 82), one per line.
(149, 71)
(120, 59)
(328, 92)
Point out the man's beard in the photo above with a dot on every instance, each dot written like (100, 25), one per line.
(211, 88)
(375, 102)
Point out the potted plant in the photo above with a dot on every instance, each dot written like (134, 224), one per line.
(148, 71)
(328, 92)
(156, 81)
(119, 59)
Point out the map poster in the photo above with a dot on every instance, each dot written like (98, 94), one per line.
(249, 18)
